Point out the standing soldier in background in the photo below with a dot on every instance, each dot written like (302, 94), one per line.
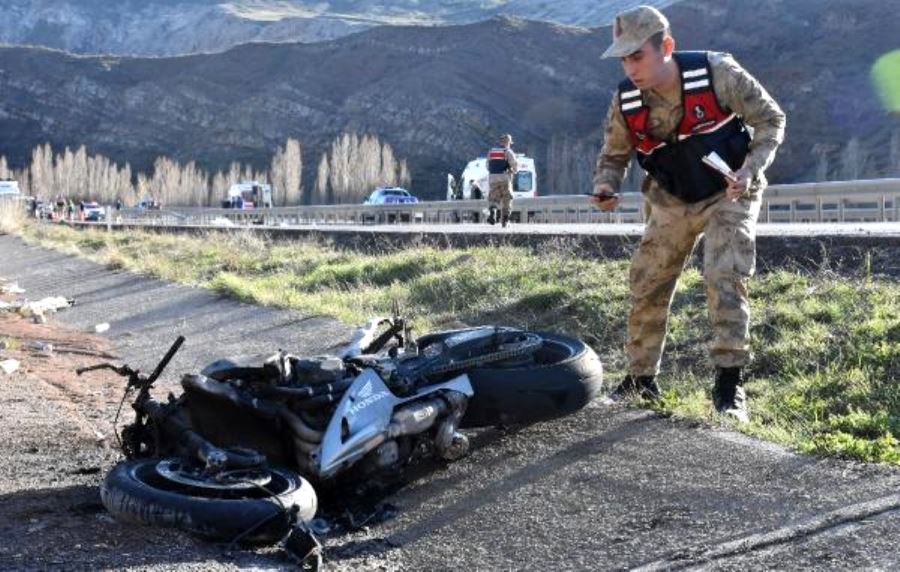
(673, 109)
(502, 167)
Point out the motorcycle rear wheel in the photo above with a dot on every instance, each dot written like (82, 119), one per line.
(564, 376)
(135, 491)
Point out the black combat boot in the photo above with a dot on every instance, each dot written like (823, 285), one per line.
(643, 386)
(504, 218)
(491, 220)
(728, 394)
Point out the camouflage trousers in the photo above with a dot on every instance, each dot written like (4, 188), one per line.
(729, 260)
(500, 195)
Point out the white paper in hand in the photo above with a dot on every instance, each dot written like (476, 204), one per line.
(716, 162)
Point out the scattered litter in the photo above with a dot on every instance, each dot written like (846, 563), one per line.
(45, 348)
(12, 289)
(39, 307)
(9, 366)
(101, 438)
(49, 304)
(100, 328)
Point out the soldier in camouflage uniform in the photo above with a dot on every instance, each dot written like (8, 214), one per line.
(502, 167)
(671, 111)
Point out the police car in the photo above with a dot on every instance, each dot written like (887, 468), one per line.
(390, 196)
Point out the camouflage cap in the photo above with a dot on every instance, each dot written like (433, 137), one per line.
(634, 27)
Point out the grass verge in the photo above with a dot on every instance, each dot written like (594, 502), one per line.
(824, 378)
(12, 216)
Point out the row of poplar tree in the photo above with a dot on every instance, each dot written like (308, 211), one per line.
(346, 173)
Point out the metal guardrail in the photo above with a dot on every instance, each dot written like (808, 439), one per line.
(876, 200)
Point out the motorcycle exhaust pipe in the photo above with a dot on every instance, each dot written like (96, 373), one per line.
(300, 429)
(417, 417)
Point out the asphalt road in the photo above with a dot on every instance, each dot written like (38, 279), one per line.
(602, 489)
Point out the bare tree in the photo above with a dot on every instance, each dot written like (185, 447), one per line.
(404, 177)
(354, 165)
(852, 160)
(894, 155)
(42, 171)
(286, 173)
(24, 178)
(320, 192)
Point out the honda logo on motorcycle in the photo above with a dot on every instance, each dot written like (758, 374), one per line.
(365, 397)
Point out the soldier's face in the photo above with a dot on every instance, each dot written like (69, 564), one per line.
(645, 67)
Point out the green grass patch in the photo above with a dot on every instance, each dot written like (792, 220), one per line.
(827, 348)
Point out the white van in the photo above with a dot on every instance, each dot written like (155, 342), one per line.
(248, 195)
(524, 181)
(10, 189)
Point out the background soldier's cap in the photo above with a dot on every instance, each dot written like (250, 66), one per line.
(634, 27)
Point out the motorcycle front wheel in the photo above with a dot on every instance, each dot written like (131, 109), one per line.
(251, 509)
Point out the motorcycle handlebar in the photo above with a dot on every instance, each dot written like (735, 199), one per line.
(120, 369)
(135, 377)
(165, 361)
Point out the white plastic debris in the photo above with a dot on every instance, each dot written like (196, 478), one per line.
(9, 366)
(45, 348)
(12, 289)
(42, 306)
(100, 328)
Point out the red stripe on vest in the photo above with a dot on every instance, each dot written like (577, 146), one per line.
(497, 154)
(702, 113)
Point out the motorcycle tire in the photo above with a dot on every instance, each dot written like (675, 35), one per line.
(134, 492)
(564, 377)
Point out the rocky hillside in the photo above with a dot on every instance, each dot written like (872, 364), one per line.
(176, 27)
(440, 95)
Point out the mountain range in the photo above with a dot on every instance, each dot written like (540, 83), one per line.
(178, 27)
(441, 95)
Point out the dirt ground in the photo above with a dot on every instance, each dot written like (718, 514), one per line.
(57, 436)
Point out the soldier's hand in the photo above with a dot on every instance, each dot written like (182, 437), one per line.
(604, 198)
(738, 187)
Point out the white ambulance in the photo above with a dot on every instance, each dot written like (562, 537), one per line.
(524, 181)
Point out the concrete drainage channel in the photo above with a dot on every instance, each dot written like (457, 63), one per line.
(601, 489)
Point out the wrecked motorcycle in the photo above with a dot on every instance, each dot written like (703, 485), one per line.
(235, 456)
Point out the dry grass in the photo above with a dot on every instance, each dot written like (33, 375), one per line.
(13, 216)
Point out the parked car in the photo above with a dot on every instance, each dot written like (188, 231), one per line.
(93, 211)
(390, 196)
